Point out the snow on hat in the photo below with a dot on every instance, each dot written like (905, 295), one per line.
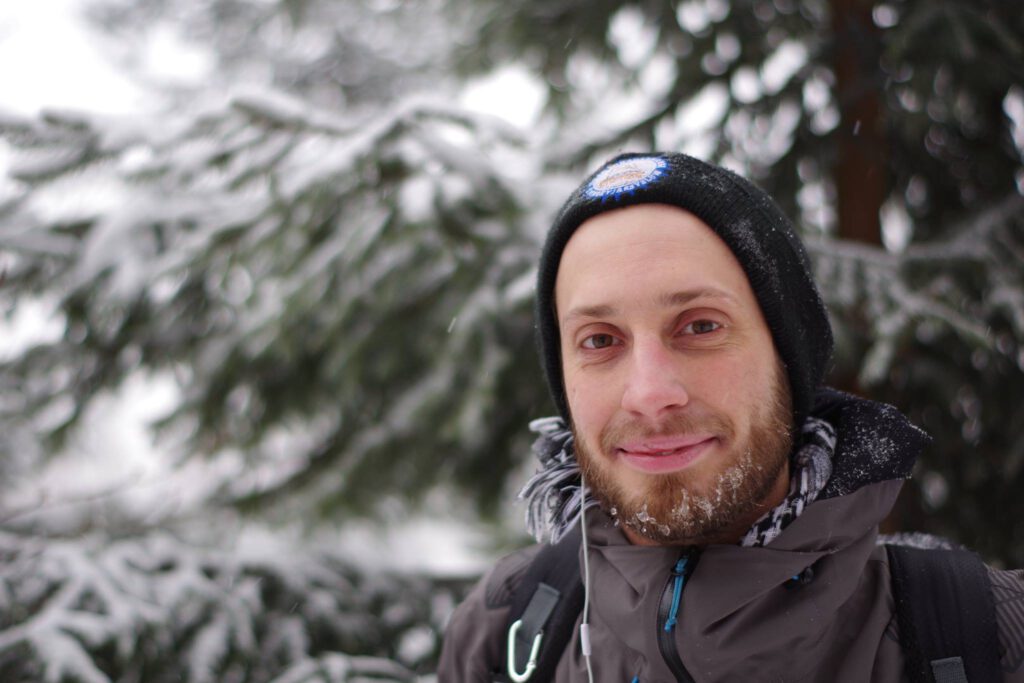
(763, 240)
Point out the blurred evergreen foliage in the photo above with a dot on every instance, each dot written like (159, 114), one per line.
(335, 259)
(155, 609)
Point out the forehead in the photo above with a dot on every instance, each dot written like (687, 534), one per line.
(646, 251)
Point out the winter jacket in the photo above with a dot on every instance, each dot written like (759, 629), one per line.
(741, 617)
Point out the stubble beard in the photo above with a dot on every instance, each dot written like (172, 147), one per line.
(676, 510)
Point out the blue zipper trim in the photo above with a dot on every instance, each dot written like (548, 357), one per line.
(668, 611)
(677, 593)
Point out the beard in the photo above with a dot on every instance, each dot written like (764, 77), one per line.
(675, 508)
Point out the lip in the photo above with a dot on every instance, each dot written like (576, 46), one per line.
(660, 455)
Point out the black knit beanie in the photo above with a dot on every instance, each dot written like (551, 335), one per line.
(748, 221)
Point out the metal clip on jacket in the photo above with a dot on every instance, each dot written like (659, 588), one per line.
(527, 633)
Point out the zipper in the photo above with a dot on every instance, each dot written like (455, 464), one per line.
(668, 614)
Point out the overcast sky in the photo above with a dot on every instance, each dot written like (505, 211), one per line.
(51, 59)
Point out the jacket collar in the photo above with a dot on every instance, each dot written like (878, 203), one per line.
(875, 441)
(844, 525)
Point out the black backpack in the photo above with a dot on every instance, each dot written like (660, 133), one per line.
(944, 610)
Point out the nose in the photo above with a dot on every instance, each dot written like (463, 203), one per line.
(654, 384)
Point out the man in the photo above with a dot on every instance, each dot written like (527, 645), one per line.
(731, 502)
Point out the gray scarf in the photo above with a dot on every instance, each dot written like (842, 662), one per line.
(554, 497)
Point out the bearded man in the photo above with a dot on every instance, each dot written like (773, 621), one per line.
(728, 503)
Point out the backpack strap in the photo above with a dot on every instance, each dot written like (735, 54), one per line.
(946, 615)
(544, 609)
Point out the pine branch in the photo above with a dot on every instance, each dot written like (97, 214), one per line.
(154, 604)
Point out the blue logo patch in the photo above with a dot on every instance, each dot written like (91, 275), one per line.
(625, 176)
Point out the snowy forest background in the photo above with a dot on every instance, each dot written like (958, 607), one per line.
(307, 263)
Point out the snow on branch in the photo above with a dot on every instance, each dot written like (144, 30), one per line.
(964, 283)
(280, 258)
(276, 108)
(279, 109)
(95, 610)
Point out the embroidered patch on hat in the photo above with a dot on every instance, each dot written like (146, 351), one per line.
(625, 176)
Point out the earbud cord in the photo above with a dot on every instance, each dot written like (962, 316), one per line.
(585, 623)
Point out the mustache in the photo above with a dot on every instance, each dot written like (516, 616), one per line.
(680, 424)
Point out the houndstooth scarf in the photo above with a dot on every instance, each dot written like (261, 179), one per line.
(812, 467)
(553, 494)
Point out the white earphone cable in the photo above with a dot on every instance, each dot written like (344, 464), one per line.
(585, 622)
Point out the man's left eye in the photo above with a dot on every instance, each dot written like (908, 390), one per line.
(701, 327)
(598, 341)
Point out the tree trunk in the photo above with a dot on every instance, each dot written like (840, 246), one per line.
(860, 173)
(861, 160)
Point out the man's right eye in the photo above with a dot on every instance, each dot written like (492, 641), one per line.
(598, 341)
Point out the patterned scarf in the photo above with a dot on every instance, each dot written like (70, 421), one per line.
(553, 494)
(812, 467)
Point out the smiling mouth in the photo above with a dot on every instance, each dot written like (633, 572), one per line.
(664, 444)
(665, 454)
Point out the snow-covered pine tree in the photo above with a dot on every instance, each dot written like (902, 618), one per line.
(155, 609)
(339, 273)
(324, 251)
(756, 85)
(334, 287)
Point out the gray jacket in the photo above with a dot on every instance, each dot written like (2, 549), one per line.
(740, 618)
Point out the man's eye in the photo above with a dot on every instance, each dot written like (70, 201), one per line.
(598, 341)
(701, 327)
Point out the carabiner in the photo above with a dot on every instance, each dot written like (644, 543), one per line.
(531, 664)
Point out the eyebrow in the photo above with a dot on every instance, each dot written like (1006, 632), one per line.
(667, 300)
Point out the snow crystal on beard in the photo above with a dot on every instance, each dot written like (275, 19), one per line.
(688, 516)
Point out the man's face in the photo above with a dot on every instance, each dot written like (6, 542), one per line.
(679, 405)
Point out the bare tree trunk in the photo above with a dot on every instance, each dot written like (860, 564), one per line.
(860, 173)
(861, 161)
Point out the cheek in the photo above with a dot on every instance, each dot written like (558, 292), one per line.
(731, 385)
(718, 378)
(591, 403)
